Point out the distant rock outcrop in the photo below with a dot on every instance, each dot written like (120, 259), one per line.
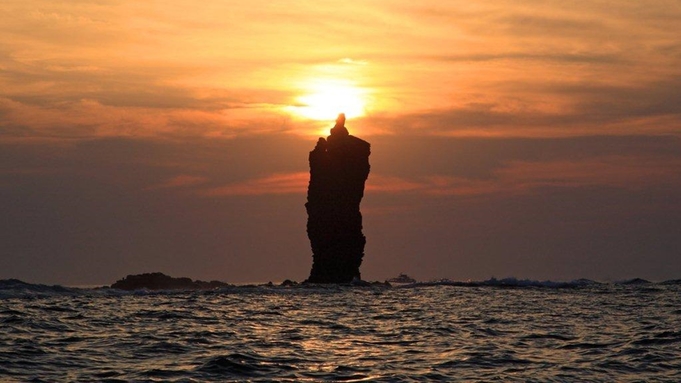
(339, 167)
(635, 281)
(160, 281)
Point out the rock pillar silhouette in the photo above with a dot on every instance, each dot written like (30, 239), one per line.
(339, 167)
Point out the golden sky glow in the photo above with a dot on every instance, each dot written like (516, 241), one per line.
(192, 121)
(492, 68)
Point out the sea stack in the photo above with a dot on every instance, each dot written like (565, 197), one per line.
(339, 167)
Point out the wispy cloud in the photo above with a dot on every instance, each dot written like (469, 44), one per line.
(512, 178)
(489, 68)
(181, 181)
(569, 109)
(283, 183)
(523, 177)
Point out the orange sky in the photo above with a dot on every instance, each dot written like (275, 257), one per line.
(215, 105)
(500, 68)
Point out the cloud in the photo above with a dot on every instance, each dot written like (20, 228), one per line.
(84, 120)
(378, 183)
(180, 181)
(510, 178)
(577, 110)
(546, 57)
(543, 201)
(282, 183)
(469, 166)
(627, 173)
(493, 68)
(412, 157)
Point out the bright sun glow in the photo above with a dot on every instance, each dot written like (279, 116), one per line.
(326, 98)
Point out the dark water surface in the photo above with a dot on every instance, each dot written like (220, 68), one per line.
(606, 333)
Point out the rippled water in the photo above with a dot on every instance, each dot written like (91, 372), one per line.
(451, 333)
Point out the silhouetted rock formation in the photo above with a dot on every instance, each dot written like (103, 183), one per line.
(160, 281)
(339, 167)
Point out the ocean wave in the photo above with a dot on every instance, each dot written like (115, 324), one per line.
(15, 288)
(609, 332)
(510, 282)
(247, 365)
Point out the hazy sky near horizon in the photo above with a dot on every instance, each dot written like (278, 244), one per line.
(534, 139)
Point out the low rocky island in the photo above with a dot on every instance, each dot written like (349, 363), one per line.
(160, 281)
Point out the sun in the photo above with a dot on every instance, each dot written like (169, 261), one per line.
(324, 99)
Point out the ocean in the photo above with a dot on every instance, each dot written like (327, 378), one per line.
(506, 331)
